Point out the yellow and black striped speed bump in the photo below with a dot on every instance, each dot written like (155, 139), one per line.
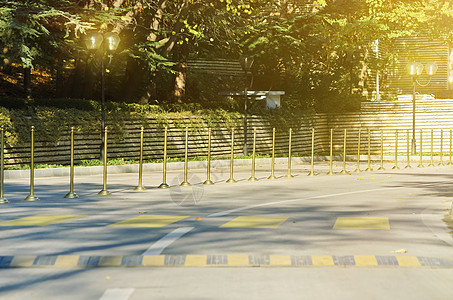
(231, 260)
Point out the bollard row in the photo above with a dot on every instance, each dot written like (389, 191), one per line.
(208, 181)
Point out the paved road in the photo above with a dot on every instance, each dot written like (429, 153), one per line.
(378, 235)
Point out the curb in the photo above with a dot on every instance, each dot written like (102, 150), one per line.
(230, 260)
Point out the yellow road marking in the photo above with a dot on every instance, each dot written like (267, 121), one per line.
(255, 222)
(67, 261)
(149, 221)
(40, 220)
(238, 259)
(153, 260)
(22, 261)
(362, 223)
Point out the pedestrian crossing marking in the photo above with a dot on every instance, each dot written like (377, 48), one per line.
(149, 221)
(362, 223)
(255, 222)
(40, 220)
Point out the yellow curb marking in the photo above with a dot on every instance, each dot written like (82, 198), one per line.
(153, 260)
(67, 261)
(238, 259)
(40, 220)
(280, 260)
(149, 221)
(408, 261)
(362, 223)
(365, 260)
(195, 260)
(322, 260)
(22, 261)
(255, 222)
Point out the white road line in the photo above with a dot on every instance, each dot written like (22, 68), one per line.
(159, 246)
(117, 294)
(227, 212)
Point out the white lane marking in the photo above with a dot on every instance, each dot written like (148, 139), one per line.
(227, 212)
(117, 294)
(159, 246)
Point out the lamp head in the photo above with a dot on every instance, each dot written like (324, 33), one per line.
(246, 62)
(93, 40)
(431, 68)
(112, 40)
(415, 69)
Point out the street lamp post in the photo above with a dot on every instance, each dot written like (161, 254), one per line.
(246, 64)
(107, 42)
(415, 69)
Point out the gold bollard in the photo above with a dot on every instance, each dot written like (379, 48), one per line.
(71, 193)
(421, 150)
(370, 168)
(431, 164)
(451, 135)
(441, 158)
(186, 160)
(272, 176)
(140, 186)
(395, 167)
(253, 178)
(32, 197)
(381, 168)
(104, 190)
(3, 200)
(344, 154)
(289, 154)
(164, 184)
(331, 153)
(231, 179)
(357, 170)
(312, 163)
(408, 166)
(208, 167)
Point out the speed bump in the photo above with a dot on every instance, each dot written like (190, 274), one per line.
(40, 220)
(255, 222)
(362, 223)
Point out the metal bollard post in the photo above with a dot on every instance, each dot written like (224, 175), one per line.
(370, 168)
(140, 186)
(331, 153)
(312, 164)
(186, 159)
(381, 168)
(32, 197)
(3, 199)
(395, 167)
(421, 150)
(208, 166)
(408, 166)
(104, 190)
(272, 176)
(289, 175)
(344, 154)
(252, 177)
(71, 193)
(431, 164)
(164, 184)
(357, 170)
(451, 135)
(231, 179)
(441, 158)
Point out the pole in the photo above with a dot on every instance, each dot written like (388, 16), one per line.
(312, 164)
(245, 115)
(370, 168)
(381, 168)
(421, 150)
(231, 179)
(208, 167)
(272, 176)
(441, 163)
(140, 186)
(164, 184)
(32, 197)
(186, 158)
(408, 166)
(344, 154)
(289, 175)
(331, 153)
(395, 167)
(102, 107)
(431, 164)
(71, 193)
(358, 154)
(104, 190)
(414, 143)
(252, 177)
(3, 200)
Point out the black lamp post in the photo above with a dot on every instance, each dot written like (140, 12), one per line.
(246, 64)
(107, 42)
(415, 69)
